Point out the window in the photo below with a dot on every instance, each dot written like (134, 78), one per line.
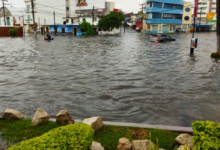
(67, 20)
(184, 27)
(186, 18)
(171, 27)
(72, 20)
(202, 8)
(151, 4)
(154, 27)
(165, 28)
(167, 16)
(187, 9)
(178, 7)
(148, 27)
(174, 27)
(168, 6)
(157, 15)
(177, 16)
(158, 5)
(213, 3)
(67, 8)
(214, 8)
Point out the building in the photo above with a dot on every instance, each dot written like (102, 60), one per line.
(79, 10)
(165, 16)
(44, 14)
(203, 7)
(12, 16)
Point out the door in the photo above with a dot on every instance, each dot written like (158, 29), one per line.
(8, 21)
(63, 30)
(47, 29)
(75, 31)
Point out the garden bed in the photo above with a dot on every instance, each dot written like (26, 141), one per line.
(108, 136)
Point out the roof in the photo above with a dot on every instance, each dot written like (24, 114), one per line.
(12, 11)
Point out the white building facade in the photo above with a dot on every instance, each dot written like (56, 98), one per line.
(44, 13)
(12, 16)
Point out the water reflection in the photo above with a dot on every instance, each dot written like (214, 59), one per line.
(118, 78)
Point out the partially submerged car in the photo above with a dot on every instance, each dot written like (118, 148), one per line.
(180, 30)
(161, 38)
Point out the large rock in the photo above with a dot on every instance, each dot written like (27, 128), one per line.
(64, 118)
(124, 144)
(95, 122)
(96, 146)
(185, 139)
(40, 117)
(11, 114)
(141, 145)
(181, 147)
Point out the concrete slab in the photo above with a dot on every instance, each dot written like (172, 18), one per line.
(159, 127)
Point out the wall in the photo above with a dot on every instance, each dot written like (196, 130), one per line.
(110, 7)
(4, 31)
(185, 13)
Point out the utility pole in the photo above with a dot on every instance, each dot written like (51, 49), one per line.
(142, 20)
(218, 25)
(93, 15)
(200, 18)
(191, 48)
(55, 30)
(124, 25)
(32, 5)
(3, 4)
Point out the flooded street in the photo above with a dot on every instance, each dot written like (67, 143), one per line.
(117, 78)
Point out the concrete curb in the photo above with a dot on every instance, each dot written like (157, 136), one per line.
(160, 127)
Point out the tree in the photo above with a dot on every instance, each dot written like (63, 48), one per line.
(86, 27)
(112, 20)
(140, 12)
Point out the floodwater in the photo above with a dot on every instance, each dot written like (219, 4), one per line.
(124, 78)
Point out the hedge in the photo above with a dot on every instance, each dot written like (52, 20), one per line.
(78, 136)
(206, 134)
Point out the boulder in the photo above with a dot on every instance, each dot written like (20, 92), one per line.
(185, 139)
(96, 146)
(181, 147)
(124, 144)
(141, 145)
(63, 118)
(11, 114)
(40, 117)
(95, 122)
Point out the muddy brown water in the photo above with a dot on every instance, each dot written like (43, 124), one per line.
(118, 78)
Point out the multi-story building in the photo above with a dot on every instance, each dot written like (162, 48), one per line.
(44, 13)
(79, 10)
(203, 7)
(165, 16)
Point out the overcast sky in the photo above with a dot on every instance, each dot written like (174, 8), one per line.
(125, 5)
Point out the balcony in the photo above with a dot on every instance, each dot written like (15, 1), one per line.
(177, 2)
(163, 21)
(29, 10)
(167, 11)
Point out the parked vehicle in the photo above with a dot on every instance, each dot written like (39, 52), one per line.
(161, 38)
(179, 30)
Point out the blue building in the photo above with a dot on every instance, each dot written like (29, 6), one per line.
(73, 29)
(165, 16)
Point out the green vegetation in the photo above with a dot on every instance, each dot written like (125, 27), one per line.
(86, 27)
(76, 136)
(215, 55)
(12, 32)
(112, 20)
(207, 134)
(15, 131)
(109, 136)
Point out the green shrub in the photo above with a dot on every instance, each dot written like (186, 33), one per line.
(78, 136)
(207, 134)
(12, 32)
(215, 55)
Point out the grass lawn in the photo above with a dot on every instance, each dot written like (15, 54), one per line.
(108, 136)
